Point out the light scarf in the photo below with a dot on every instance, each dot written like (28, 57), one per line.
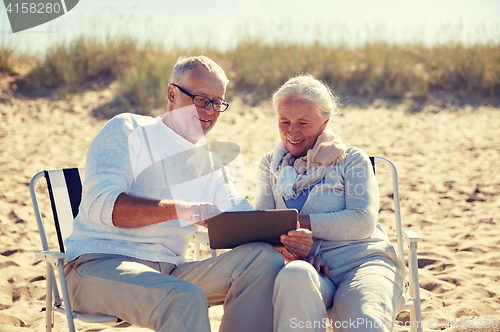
(294, 175)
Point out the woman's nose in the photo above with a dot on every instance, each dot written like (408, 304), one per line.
(294, 130)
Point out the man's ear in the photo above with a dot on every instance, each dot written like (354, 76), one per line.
(171, 93)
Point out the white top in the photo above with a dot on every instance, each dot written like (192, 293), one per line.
(141, 156)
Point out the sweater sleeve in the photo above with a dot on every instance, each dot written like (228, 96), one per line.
(227, 197)
(264, 198)
(359, 218)
(108, 171)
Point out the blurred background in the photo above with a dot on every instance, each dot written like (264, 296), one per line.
(222, 24)
(364, 49)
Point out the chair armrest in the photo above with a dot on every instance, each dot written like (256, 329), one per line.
(52, 257)
(201, 237)
(411, 236)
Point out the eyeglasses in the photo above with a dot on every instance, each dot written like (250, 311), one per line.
(202, 101)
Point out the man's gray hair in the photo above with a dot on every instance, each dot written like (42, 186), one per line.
(306, 87)
(184, 66)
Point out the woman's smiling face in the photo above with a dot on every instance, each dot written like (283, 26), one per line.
(300, 125)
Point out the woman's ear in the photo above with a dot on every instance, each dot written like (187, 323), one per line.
(325, 123)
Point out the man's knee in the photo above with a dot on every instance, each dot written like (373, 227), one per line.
(183, 295)
(177, 305)
(195, 296)
(188, 290)
(265, 253)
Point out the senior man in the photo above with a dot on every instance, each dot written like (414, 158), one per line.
(146, 186)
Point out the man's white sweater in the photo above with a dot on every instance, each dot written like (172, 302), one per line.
(141, 156)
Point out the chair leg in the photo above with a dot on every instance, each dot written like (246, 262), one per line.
(64, 290)
(415, 310)
(48, 298)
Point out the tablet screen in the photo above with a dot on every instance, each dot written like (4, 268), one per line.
(231, 229)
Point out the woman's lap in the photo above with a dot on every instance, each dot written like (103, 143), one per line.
(301, 297)
(368, 298)
(364, 298)
(300, 274)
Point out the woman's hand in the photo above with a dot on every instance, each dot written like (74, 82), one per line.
(297, 242)
(318, 263)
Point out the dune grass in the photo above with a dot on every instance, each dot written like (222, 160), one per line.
(255, 69)
(81, 61)
(7, 60)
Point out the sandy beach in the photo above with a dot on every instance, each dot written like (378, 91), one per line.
(448, 160)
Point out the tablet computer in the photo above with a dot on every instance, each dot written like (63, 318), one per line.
(231, 229)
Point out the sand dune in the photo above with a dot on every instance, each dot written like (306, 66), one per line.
(448, 164)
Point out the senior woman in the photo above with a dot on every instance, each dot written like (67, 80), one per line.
(352, 272)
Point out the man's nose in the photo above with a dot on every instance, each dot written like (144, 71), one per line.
(209, 108)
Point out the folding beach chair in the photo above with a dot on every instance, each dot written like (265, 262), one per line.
(410, 238)
(65, 192)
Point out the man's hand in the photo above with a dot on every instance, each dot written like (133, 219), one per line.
(318, 263)
(298, 242)
(132, 211)
(197, 213)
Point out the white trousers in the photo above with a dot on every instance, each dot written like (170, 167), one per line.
(366, 298)
(163, 297)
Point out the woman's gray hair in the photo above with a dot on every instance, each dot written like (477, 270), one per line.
(184, 66)
(306, 87)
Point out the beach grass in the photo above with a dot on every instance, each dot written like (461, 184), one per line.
(82, 60)
(255, 69)
(7, 59)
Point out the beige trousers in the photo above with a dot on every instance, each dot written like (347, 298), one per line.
(163, 297)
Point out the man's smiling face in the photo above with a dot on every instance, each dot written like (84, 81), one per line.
(198, 82)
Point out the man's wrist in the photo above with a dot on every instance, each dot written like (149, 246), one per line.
(169, 209)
